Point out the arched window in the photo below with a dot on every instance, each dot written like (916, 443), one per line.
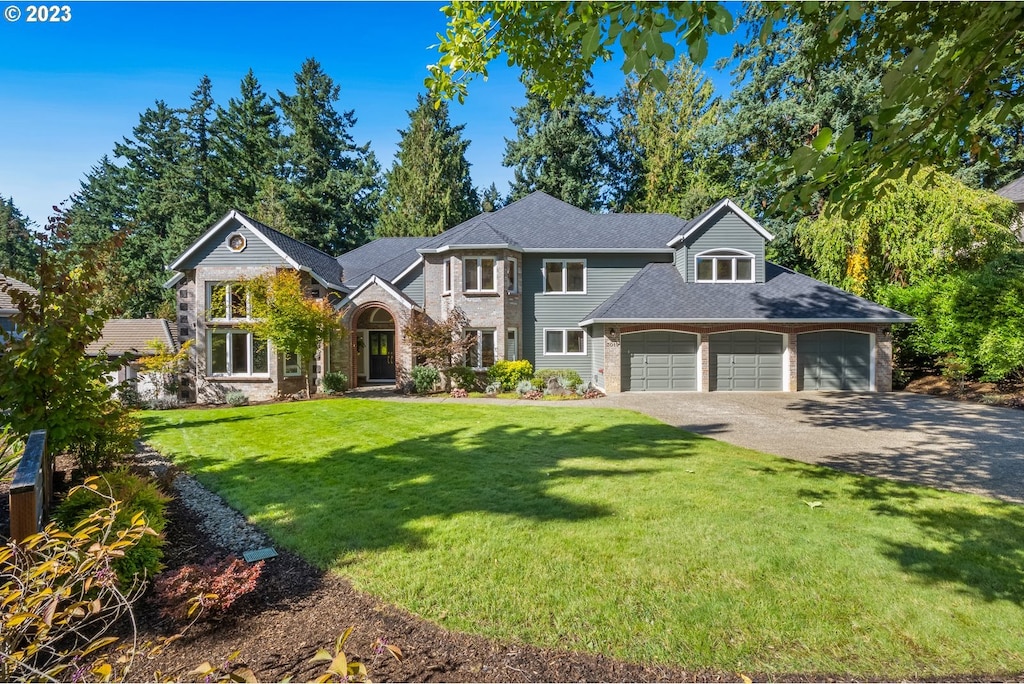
(725, 266)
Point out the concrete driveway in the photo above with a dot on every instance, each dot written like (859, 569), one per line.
(902, 436)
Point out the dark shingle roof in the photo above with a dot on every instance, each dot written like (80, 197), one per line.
(8, 283)
(539, 221)
(320, 263)
(385, 258)
(122, 335)
(658, 293)
(1014, 190)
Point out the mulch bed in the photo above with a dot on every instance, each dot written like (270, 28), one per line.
(1008, 394)
(297, 609)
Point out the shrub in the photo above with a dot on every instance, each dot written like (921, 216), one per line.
(510, 373)
(43, 638)
(538, 383)
(111, 436)
(581, 388)
(492, 389)
(425, 378)
(464, 377)
(567, 377)
(524, 386)
(335, 383)
(194, 591)
(236, 398)
(135, 495)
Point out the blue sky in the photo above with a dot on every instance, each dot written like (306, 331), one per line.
(72, 89)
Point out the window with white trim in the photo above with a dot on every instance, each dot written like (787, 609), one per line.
(725, 266)
(564, 341)
(447, 276)
(292, 364)
(478, 274)
(512, 275)
(481, 353)
(512, 344)
(235, 352)
(565, 277)
(227, 301)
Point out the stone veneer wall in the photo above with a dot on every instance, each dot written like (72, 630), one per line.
(883, 348)
(376, 296)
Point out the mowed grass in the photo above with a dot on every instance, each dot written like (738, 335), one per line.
(606, 531)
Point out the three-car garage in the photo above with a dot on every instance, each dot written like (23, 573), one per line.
(747, 360)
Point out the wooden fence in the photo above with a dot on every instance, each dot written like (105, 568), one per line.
(32, 488)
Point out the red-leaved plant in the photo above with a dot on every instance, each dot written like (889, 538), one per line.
(195, 591)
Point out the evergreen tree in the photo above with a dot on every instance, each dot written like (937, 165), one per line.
(428, 188)
(200, 131)
(19, 252)
(491, 199)
(246, 147)
(333, 185)
(562, 151)
(667, 163)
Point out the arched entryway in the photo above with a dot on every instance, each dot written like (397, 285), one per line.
(374, 357)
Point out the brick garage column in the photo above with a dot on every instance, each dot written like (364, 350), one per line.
(612, 362)
(883, 360)
(791, 353)
(704, 352)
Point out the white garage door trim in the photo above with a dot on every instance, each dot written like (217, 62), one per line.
(623, 373)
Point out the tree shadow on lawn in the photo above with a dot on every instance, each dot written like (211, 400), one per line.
(151, 426)
(977, 546)
(331, 506)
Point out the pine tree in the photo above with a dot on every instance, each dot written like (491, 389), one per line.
(491, 199)
(247, 146)
(19, 252)
(333, 185)
(563, 150)
(666, 162)
(428, 188)
(200, 130)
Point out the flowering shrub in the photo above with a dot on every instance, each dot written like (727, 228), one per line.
(459, 393)
(533, 394)
(211, 588)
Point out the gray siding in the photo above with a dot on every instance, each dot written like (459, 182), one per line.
(606, 273)
(679, 259)
(596, 345)
(727, 231)
(215, 253)
(412, 285)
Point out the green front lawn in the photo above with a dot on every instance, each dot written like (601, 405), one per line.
(605, 531)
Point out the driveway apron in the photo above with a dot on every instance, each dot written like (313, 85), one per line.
(901, 436)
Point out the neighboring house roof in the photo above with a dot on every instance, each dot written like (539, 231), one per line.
(1014, 190)
(386, 258)
(131, 335)
(8, 283)
(658, 293)
(539, 222)
(299, 255)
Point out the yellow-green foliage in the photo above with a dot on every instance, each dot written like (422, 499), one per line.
(60, 597)
(910, 232)
(510, 373)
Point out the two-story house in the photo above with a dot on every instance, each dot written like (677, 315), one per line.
(633, 302)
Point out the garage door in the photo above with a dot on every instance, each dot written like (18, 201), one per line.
(746, 361)
(834, 360)
(659, 360)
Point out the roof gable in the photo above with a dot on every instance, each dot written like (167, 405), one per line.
(300, 256)
(694, 225)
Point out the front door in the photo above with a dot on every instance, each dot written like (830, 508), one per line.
(382, 355)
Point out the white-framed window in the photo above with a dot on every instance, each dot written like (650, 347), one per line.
(725, 266)
(512, 344)
(564, 341)
(478, 274)
(292, 364)
(567, 276)
(447, 276)
(512, 275)
(481, 353)
(235, 352)
(227, 301)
